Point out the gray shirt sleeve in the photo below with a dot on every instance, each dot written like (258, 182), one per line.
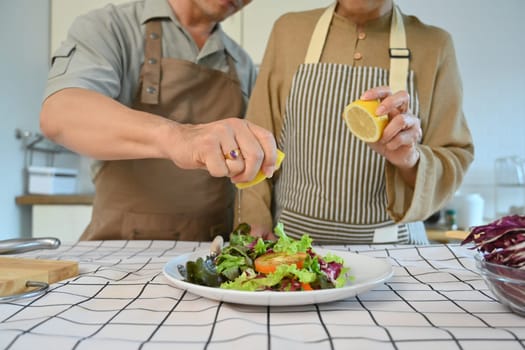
(104, 51)
(94, 57)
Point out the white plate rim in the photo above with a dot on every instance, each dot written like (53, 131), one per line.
(377, 271)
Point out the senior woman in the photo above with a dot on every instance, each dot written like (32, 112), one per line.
(332, 185)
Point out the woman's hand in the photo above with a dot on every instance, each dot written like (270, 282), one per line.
(402, 134)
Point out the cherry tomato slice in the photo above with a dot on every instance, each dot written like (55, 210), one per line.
(269, 262)
(306, 286)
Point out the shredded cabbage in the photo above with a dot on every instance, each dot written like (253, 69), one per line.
(501, 241)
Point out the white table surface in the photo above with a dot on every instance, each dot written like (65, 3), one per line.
(121, 300)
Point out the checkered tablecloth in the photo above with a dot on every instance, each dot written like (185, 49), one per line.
(121, 300)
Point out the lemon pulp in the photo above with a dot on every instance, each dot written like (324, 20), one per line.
(361, 119)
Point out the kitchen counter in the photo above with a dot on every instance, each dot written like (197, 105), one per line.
(442, 235)
(38, 199)
(122, 300)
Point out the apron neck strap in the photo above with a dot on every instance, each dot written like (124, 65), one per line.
(398, 51)
(318, 39)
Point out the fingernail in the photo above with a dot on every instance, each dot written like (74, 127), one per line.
(268, 171)
(380, 110)
(364, 96)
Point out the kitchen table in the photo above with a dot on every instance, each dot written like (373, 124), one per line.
(121, 300)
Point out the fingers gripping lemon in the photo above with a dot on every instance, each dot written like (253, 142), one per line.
(260, 175)
(360, 117)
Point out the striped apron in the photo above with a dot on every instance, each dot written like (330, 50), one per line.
(332, 185)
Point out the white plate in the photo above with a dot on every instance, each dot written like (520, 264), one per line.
(368, 272)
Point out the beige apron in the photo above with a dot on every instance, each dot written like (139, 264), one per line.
(153, 198)
(332, 185)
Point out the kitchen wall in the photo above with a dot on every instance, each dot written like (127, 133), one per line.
(489, 43)
(490, 48)
(24, 62)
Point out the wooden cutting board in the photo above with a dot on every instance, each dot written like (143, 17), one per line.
(15, 272)
(443, 236)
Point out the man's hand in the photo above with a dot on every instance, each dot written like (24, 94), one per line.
(99, 127)
(231, 147)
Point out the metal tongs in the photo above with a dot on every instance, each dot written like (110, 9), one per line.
(22, 245)
(216, 246)
(215, 249)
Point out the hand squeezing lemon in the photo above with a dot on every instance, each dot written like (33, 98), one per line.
(260, 175)
(361, 118)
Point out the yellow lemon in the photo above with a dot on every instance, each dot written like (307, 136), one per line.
(360, 117)
(260, 175)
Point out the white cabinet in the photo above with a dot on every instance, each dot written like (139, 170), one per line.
(250, 27)
(61, 216)
(65, 222)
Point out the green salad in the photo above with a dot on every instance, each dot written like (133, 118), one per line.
(249, 263)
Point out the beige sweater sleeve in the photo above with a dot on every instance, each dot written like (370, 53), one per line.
(446, 148)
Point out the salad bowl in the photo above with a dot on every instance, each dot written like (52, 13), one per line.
(505, 282)
(367, 273)
(501, 258)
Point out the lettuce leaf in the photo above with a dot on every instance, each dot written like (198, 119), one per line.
(251, 281)
(234, 267)
(289, 245)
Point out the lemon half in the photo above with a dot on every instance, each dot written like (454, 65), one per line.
(260, 175)
(360, 117)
